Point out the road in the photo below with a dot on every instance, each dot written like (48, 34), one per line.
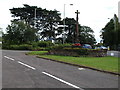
(23, 71)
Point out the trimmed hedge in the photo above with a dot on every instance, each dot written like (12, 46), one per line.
(45, 44)
(78, 52)
(20, 47)
(38, 46)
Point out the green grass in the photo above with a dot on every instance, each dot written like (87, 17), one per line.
(102, 63)
(37, 52)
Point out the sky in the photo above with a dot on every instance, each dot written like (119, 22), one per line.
(93, 13)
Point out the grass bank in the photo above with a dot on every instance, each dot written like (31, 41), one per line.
(102, 63)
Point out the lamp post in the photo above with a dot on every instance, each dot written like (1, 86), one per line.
(64, 23)
(35, 18)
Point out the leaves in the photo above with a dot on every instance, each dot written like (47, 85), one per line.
(19, 33)
(110, 33)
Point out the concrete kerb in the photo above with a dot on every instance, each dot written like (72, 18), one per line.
(80, 66)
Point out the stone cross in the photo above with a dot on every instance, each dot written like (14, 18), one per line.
(77, 31)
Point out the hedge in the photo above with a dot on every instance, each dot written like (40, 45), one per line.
(78, 52)
(20, 47)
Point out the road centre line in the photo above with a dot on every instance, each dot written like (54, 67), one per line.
(62, 80)
(9, 58)
(26, 65)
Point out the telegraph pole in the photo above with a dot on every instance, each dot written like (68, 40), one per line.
(77, 31)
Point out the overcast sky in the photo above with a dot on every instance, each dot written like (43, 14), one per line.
(93, 13)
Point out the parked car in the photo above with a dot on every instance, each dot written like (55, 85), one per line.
(87, 46)
(76, 45)
(102, 47)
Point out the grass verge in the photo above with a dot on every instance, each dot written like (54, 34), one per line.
(102, 63)
(37, 52)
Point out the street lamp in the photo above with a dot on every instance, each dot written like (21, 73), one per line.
(35, 18)
(64, 22)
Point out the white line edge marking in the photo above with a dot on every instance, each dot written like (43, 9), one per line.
(9, 58)
(61, 80)
(27, 65)
(81, 68)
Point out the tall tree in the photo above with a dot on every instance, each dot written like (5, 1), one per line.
(85, 33)
(110, 33)
(45, 21)
(50, 24)
(19, 33)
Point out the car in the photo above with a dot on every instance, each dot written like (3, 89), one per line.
(103, 47)
(87, 46)
(77, 44)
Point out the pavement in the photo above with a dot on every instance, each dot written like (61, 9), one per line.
(113, 53)
(23, 71)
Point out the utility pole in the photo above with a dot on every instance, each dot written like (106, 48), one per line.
(77, 31)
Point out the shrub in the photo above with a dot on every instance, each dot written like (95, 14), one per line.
(34, 44)
(38, 48)
(59, 46)
(45, 44)
(21, 47)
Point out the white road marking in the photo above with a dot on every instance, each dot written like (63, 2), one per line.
(62, 80)
(9, 58)
(26, 65)
(81, 68)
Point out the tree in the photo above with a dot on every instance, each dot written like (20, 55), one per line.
(110, 33)
(70, 25)
(50, 24)
(19, 33)
(46, 21)
(85, 33)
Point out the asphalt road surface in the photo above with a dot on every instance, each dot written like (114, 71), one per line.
(23, 71)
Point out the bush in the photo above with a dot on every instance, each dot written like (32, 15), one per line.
(45, 44)
(38, 49)
(34, 44)
(59, 46)
(21, 47)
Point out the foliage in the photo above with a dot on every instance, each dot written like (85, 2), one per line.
(45, 44)
(19, 33)
(110, 33)
(19, 47)
(37, 52)
(85, 33)
(26, 28)
(59, 46)
(45, 21)
(74, 51)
